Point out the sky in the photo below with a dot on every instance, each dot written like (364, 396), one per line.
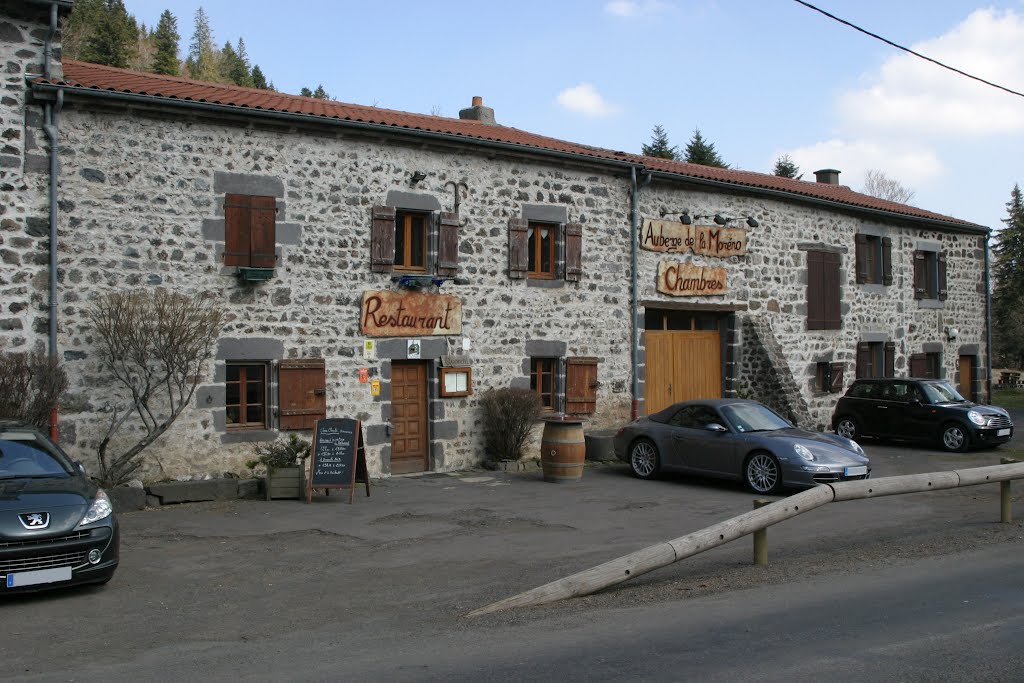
(758, 78)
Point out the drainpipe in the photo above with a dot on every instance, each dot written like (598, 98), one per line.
(988, 321)
(50, 112)
(634, 304)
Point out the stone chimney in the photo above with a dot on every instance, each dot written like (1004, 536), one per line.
(478, 112)
(829, 176)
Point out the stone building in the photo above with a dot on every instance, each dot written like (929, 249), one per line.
(390, 266)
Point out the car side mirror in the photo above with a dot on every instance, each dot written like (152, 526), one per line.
(915, 402)
(81, 468)
(716, 428)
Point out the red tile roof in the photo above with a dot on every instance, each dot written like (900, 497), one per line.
(82, 75)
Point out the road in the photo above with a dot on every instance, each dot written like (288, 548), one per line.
(917, 587)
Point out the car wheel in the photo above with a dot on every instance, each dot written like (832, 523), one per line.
(954, 438)
(762, 473)
(644, 459)
(848, 428)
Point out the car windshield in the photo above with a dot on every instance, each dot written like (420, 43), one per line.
(942, 392)
(750, 417)
(23, 455)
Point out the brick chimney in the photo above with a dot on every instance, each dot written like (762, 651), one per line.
(478, 112)
(829, 176)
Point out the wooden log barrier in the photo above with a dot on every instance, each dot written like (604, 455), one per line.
(660, 555)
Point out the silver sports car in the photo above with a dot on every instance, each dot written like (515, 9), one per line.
(737, 439)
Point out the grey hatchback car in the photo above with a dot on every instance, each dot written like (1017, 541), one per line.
(57, 527)
(929, 410)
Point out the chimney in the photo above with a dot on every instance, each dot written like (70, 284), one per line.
(829, 176)
(478, 112)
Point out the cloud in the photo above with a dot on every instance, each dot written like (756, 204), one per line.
(635, 8)
(913, 165)
(584, 99)
(909, 94)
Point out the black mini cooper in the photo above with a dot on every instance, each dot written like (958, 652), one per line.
(920, 410)
(57, 528)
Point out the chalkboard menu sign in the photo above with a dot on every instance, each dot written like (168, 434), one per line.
(339, 458)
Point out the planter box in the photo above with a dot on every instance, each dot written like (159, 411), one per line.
(286, 482)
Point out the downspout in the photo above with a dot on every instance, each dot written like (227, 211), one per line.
(634, 306)
(50, 112)
(988, 321)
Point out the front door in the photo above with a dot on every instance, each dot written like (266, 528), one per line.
(409, 443)
(964, 385)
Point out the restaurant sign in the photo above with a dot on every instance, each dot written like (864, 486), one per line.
(388, 313)
(685, 279)
(706, 240)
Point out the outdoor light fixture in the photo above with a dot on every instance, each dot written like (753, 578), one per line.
(725, 220)
(418, 176)
(685, 219)
(721, 220)
(952, 333)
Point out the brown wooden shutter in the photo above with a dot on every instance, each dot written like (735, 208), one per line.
(919, 365)
(302, 387)
(236, 230)
(573, 252)
(448, 245)
(518, 255)
(890, 359)
(815, 298)
(863, 358)
(886, 261)
(836, 378)
(920, 275)
(832, 304)
(262, 232)
(862, 258)
(941, 265)
(581, 385)
(382, 240)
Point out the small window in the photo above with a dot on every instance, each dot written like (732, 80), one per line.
(874, 260)
(246, 396)
(250, 225)
(540, 249)
(926, 365)
(876, 359)
(542, 380)
(929, 275)
(414, 242)
(411, 242)
(545, 251)
(456, 381)
(823, 309)
(828, 377)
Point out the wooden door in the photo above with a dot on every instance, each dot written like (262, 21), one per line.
(965, 385)
(409, 443)
(681, 365)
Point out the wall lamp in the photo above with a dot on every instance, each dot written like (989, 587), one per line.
(952, 333)
(418, 176)
(725, 220)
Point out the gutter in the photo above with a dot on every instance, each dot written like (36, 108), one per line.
(50, 112)
(988, 322)
(634, 307)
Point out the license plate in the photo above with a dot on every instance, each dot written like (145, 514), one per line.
(38, 576)
(1003, 432)
(855, 470)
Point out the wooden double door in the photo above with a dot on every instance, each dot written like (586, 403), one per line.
(410, 442)
(681, 365)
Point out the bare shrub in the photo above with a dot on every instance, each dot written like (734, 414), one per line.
(154, 344)
(31, 385)
(509, 416)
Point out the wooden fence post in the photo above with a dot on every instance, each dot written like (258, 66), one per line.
(1006, 496)
(761, 538)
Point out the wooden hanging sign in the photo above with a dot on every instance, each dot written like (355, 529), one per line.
(338, 459)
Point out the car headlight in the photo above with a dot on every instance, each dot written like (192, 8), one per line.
(803, 451)
(100, 509)
(856, 447)
(976, 417)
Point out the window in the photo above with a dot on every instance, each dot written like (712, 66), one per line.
(823, 311)
(414, 242)
(874, 260)
(876, 359)
(694, 417)
(545, 251)
(542, 380)
(411, 242)
(828, 377)
(926, 365)
(245, 399)
(250, 239)
(929, 275)
(302, 390)
(540, 248)
(456, 381)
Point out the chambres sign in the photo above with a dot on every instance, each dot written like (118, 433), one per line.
(707, 240)
(388, 313)
(685, 279)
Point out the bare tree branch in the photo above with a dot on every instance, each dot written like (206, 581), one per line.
(877, 184)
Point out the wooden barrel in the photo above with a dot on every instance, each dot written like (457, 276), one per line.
(562, 451)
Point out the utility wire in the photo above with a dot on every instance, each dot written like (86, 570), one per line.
(906, 49)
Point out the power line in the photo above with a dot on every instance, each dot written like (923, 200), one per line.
(906, 49)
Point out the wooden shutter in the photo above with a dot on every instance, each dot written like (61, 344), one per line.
(382, 240)
(836, 378)
(833, 307)
(890, 359)
(302, 387)
(448, 245)
(262, 232)
(863, 359)
(886, 261)
(815, 298)
(920, 275)
(236, 230)
(940, 263)
(573, 252)
(518, 255)
(919, 365)
(580, 385)
(862, 258)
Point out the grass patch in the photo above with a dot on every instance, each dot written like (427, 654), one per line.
(1008, 398)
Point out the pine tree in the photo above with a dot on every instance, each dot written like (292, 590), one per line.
(258, 79)
(320, 93)
(699, 151)
(306, 92)
(166, 40)
(240, 72)
(660, 146)
(79, 27)
(1008, 290)
(787, 168)
(113, 38)
(202, 57)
